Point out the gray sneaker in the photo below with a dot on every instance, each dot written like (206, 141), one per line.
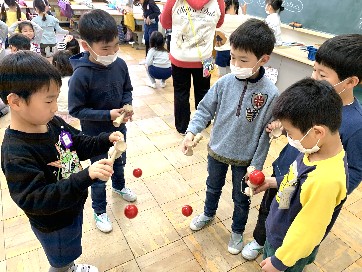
(235, 243)
(200, 221)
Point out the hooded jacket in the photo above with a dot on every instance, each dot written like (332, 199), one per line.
(186, 46)
(95, 89)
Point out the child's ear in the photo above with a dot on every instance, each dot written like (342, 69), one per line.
(14, 102)
(84, 45)
(319, 132)
(264, 59)
(352, 82)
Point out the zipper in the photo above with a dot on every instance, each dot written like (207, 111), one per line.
(238, 110)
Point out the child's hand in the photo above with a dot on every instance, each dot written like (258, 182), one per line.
(187, 142)
(267, 266)
(269, 182)
(116, 136)
(273, 125)
(148, 20)
(115, 113)
(243, 8)
(102, 169)
(68, 38)
(128, 116)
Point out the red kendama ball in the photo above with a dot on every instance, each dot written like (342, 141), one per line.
(187, 210)
(256, 177)
(137, 172)
(131, 211)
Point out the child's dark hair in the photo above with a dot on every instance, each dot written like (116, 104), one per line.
(20, 41)
(10, 3)
(73, 46)
(253, 36)
(23, 24)
(25, 73)
(157, 41)
(62, 63)
(97, 25)
(310, 102)
(41, 6)
(232, 3)
(343, 54)
(275, 4)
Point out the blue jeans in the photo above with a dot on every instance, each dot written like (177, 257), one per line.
(215, 181)
(98, 188)
(148, 31)
(62, 246)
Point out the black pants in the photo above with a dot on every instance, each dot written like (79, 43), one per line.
(182, 85)
(260, 231)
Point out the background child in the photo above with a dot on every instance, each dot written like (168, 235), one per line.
(49, 24)
(19, 42)
(99, 88)
(150, 14)
(158, 64)
(31, 30)
(231, 22)
(43, 172)
(13, 13)
(338, 62)
(273, 9)
(62, 63)
(69, 43)
(3, 37)
(310, 196)
(238, 137)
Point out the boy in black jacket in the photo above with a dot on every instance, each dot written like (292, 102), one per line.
(40, 157)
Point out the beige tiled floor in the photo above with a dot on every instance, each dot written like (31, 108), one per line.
(159, 238)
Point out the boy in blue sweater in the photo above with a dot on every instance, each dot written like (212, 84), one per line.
(241, 103)
(99, 88)
(310, 196)
(338, 61)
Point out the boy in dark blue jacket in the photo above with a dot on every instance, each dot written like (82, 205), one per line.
(99, 88)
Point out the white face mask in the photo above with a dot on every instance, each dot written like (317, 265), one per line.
(340, 83)
(243, 73)
(298, 145)
(105, 60)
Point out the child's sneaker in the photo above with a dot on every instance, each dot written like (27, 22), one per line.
(200, 221)
(126, 193)
(252, 250)
(142, 62)
(235, 243)
(152, 85)
(103, 223)
(163, 84)
(82, 268)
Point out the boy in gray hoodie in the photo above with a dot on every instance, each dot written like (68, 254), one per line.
(241, 104)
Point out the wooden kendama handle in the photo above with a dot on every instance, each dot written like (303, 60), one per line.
(119, 120)
(196, 140)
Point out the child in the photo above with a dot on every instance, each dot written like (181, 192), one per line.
(19, 42)
(310, 196)
(241, 103)
(3, 37)
(231, 22)
(150, 14)
(40, 157)
(69, 43)
(99, 88)
(62, 63)
(338, 62)
(13, 14)
(49, 24)
(273, 9)
(31, 30)
(158, 64)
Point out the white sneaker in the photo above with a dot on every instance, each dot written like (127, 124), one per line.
(152, 85)
(103, 223)
(163, 84)
(200, 221)
(252, 250)
(142, 62)
(126, 193)
(83, 268)
(236, 243)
